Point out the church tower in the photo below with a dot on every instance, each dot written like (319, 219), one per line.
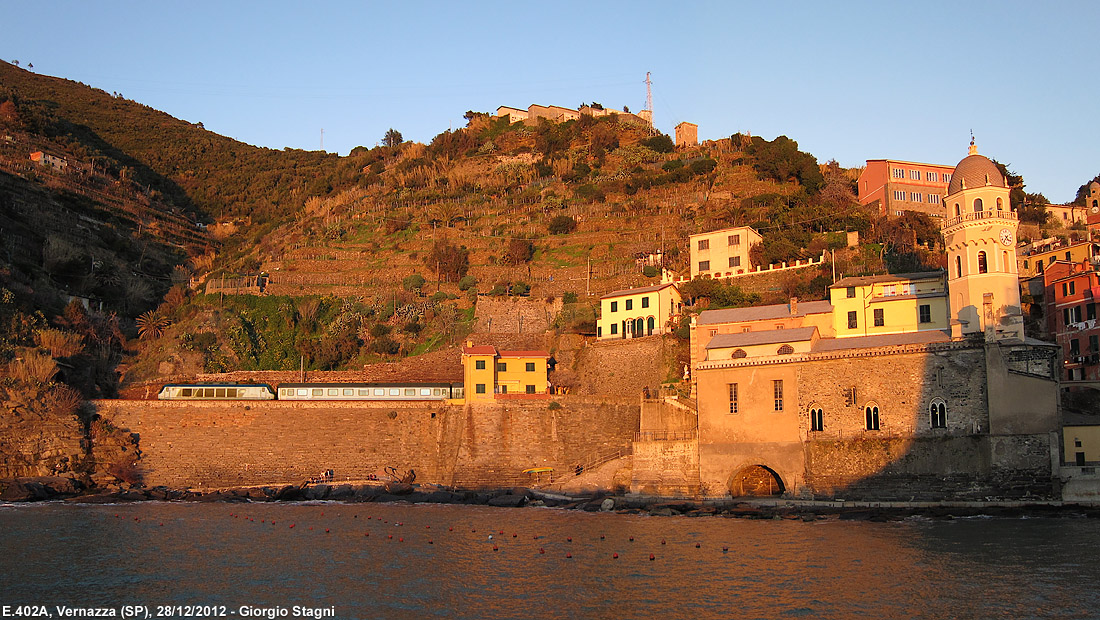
(979, 234)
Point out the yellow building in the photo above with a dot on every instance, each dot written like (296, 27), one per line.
(1032, 261)
(722, 253)
(490, 374)
(637, 312)
(1080, 440)
(889, 304)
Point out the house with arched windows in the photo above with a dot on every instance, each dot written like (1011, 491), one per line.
(637, 312)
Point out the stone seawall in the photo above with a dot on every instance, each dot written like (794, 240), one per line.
(219, 444)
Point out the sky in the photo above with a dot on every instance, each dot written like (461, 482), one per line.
(849, 81)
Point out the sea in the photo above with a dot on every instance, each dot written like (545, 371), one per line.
(333, 560)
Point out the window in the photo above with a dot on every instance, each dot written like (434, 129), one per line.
(738, 354)
(630, 304)
(937, 414)
(1072, 288)
(614, 328)
(880, 319)
(349, 392)
(732, 388)
(395, 392)
(982, 268)
(530, 389)
(958, 267)
(479, 388)
(898, 173)
(645, 302)
(1067, 256)
(958, 210)
(853, 321)
(933, 199)
(364, 392)
(1074, 346)
(924, 312)
(1000, 205)
(890, 290)
(735, 239)
(915, 196)
(899, 194)
(871, 413)
(850, 292)
(1065, 289)
(785, 350)
(914, 174)
(614, 307)
(704, 244)
(1065, 316)
(504, 389)
(333, 391)
(704, 265)
(410, 391)
(379, 392)
(530, 367)
(777, 392)
(479, 365)
(817, 420)
(932, 176)
(946, 178)
(977, 205)
(1090, 312)
(502, 366)
(1094, 344)
(735, 261)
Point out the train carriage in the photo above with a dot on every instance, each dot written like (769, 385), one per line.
(369, 391)
(216, 391)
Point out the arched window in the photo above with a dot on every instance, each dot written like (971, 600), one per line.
(650, 324)
(871, 412)
(785, 350)
(817, 419)
(982, 267)
(937, 413)
(977, 205)
(958, 210)
(738, 354)
(958, 266)
(1004, 263)
(1000, 204)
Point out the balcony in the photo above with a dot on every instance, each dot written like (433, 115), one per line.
(978, 216)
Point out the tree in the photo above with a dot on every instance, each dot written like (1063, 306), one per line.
(661, 143)
(449, 261)
(562, 224)
(520, 251)
(413, 283)
(392, 138)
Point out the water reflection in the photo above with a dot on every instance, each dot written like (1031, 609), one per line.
(233, 554)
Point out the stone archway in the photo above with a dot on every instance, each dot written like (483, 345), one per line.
(756, 481)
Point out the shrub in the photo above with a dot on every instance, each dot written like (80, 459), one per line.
(379, 329)
(60, 344)
(554, 405)
(703, 166)
(519, 251)
(413, 283)
(661, 144)
(590, 192)
(649, 271)
(675, 164)
(569, 297)
(384, 346)
(467, 283)
(562, 224)
(33, 368)
(412, 327)
(451, 262)
(520, 289)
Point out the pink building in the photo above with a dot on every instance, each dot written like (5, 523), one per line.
(901, 186)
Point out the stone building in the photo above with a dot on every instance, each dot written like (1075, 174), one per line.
(687, 134)
(908, 386)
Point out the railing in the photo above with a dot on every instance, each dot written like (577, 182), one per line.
(592, 462)
(980, 215)
(667, 435)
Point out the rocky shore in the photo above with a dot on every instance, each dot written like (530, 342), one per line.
(59, 488)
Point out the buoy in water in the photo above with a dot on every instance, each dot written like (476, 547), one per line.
(615, 556)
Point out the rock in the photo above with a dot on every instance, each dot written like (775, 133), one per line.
(607, 505)
(442, 497)
(341, 491)
(508, 501)
(16, 491)
(58, 485)
(398, 488)
(661, 511)
(316, 491)
(288, 493)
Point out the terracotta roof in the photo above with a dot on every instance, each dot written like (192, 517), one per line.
(634, 291)
(762, 313)
(977, 171)
(771, 336)
(886, 277)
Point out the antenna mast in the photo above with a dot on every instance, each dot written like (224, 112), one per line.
(322, 138)
(648, 93)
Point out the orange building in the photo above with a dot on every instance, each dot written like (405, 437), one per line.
(687, 134)
(1070, 296)
(901, 186)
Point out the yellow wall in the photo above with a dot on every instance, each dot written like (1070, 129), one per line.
(1028, 266)
(701, 334)
(472, 376)
(663, 305)
(515, 378)
(719, 251)
(760, 350)
(900, 303)
(1089, 436)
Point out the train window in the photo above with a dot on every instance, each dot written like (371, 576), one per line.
(379, 392)
(185, 392)
(364, 392)
(219, 392)
(231, 392)
(349, 392)
(425, 391)
(395, 392)
(437, 392)
(303, 392)
(333, 391)
(318, 392)
(410, 391)
(209, 392)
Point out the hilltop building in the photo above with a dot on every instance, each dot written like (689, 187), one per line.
(900, 186)
(722, 253)
(558, 114)
(900, 386)
(687, 134)
(1034, 258)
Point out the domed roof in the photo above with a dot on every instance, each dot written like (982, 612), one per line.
(977, 171)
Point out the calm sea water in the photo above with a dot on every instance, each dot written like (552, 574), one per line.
(248, 555)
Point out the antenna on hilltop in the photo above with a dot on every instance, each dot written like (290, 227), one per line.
(648, 93)
(322, 138)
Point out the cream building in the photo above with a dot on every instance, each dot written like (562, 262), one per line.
(637, 312)
(722, 253)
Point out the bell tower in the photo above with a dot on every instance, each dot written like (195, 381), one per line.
(979, 234)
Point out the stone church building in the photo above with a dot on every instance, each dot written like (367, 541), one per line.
(908, 386)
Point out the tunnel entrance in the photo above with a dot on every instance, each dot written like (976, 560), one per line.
(756, 481)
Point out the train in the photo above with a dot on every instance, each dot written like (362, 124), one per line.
(312, 391)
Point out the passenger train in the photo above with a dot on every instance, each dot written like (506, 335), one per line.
(312, 391)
